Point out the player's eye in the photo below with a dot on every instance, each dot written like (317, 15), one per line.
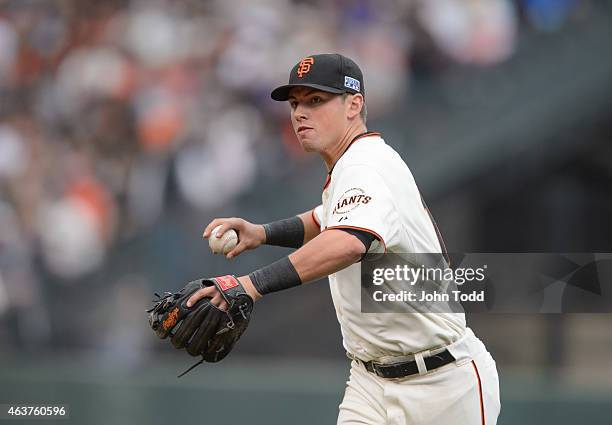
(293, 104)
(316, 99)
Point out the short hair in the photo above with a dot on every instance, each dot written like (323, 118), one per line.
(364, 110)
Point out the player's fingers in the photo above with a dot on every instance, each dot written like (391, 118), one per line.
(221, 230)
(211, 226)
(237, 250)
(218, 300)
(201, 293)
(223, 306)
(226, 224)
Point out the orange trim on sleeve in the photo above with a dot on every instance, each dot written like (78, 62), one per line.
(327, 182)
(373, 233)
(314, 217)
(482, 412)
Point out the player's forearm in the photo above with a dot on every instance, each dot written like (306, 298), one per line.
(327, 253)
(311, 228)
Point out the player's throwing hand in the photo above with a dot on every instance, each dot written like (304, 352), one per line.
(250, 236)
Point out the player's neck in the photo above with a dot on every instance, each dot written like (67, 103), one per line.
(333, 154)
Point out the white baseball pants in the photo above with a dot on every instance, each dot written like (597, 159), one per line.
(465, 392)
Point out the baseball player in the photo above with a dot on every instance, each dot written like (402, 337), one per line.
(406, 368)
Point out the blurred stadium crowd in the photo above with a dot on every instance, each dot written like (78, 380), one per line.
(107, 106)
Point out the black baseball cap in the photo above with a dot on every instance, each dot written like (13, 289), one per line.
(329, 72)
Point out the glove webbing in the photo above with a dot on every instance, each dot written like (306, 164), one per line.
(231, 323)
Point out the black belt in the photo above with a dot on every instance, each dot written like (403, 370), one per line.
(401, 370)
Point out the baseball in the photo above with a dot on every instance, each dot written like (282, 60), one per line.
(225, 243)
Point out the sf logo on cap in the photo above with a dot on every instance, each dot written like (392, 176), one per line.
(304, 66)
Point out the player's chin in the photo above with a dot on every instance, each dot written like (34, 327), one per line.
(308, 145)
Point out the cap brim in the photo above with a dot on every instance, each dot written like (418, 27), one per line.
(282, 93)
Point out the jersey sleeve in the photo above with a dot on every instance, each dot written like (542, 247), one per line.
(317, 214)
(362, 200)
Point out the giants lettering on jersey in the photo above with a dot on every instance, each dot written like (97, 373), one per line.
(350, 200)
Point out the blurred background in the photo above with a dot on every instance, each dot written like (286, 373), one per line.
(126, 126)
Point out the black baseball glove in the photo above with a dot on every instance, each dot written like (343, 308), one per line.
(203, 329)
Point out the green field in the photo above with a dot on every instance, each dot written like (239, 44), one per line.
(242, 390)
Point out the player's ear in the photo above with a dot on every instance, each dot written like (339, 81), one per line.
(354, 105)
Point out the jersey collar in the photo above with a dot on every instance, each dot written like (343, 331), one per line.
(357, 137)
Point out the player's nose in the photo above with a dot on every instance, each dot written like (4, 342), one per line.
(299, 113)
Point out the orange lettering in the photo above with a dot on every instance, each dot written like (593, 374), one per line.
(171, 319)
(304, 66)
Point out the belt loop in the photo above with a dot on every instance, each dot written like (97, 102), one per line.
(352, 357)
(418, 357)
(357, 360)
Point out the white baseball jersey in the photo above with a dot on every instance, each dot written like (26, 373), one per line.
(370, 188)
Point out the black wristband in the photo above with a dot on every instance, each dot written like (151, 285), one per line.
(275, 277)
(288, 233)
